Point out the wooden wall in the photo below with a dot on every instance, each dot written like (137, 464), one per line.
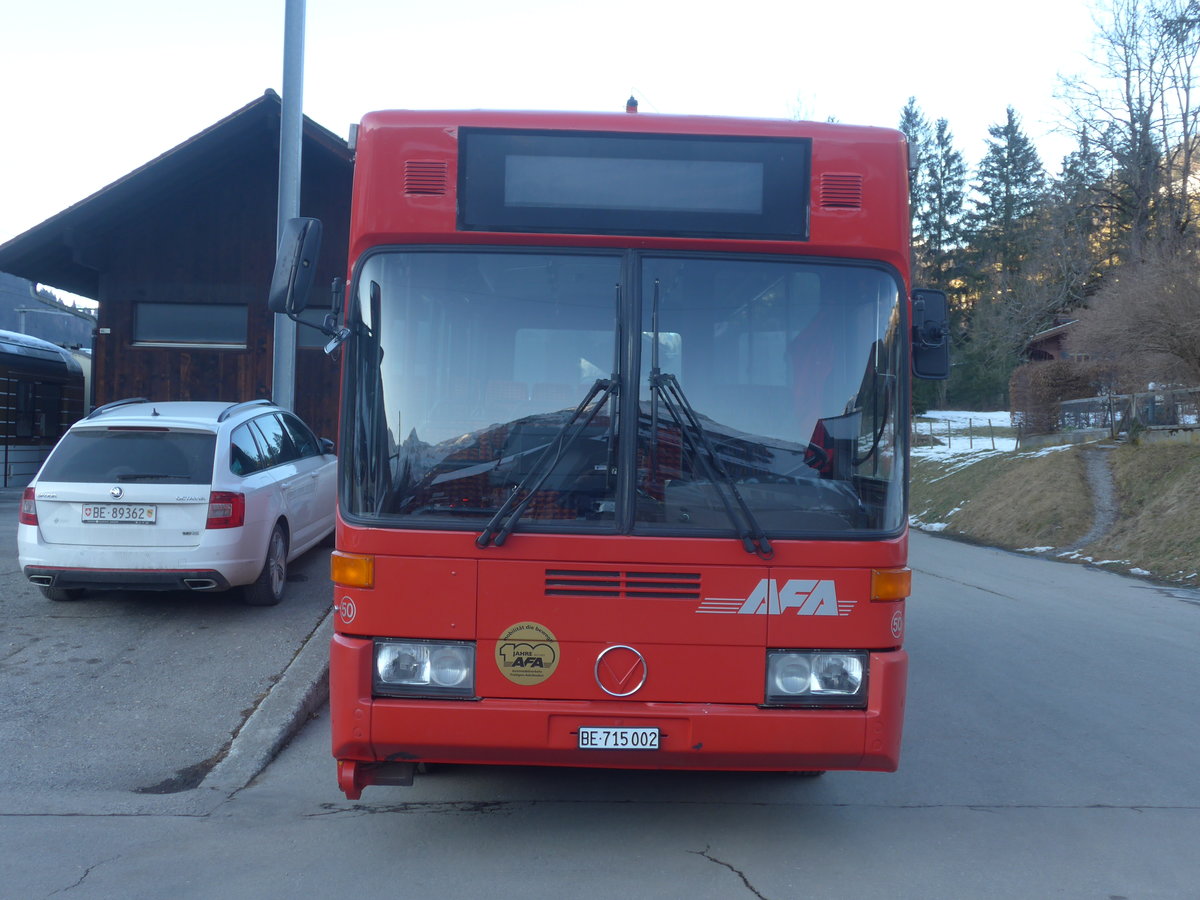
(210, 239)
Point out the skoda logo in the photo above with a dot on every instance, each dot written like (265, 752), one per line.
(117, 493)
(620, 670)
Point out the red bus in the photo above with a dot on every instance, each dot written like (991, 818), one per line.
(624, 443)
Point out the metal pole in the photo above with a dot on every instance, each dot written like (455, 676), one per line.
(291, 129)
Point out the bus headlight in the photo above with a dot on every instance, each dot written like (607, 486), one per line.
(424, 669)
(812, 678)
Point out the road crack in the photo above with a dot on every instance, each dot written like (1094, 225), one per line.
(435, 807)
(458, 807)
(736, 871)
(86, 872)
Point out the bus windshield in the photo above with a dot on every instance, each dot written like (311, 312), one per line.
(624, 392)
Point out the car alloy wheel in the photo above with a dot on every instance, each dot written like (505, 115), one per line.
(267, 589)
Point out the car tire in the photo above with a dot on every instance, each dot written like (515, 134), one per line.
(61, 595)
(267, 589)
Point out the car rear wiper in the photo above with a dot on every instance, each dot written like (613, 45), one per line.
(499, 527)
(150, 476)
(665, 388)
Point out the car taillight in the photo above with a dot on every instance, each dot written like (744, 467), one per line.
(226, 510)
(28, 514)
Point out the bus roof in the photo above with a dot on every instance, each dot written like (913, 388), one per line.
(847, 185)
(651, 123)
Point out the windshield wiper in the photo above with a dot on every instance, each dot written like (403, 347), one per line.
(666, 388)
(499, 527)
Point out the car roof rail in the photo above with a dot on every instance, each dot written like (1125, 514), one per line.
(101, 410)
(230, 410)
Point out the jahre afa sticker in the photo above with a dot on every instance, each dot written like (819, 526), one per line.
(527, 653)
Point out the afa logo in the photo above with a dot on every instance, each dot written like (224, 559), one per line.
(527, 656)
(527, 653)
(798, 596)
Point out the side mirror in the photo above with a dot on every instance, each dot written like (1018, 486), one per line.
(295, 266)
(930, 335)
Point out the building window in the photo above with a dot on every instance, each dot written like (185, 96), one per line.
(190, 324)
(38, 410)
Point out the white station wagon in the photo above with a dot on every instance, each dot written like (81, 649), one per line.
(177, 496)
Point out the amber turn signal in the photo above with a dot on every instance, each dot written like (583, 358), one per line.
(352, 569)
(890, 584)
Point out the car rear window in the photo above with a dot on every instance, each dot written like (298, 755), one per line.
(142, 455)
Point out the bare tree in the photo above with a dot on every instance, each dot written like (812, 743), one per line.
(1179, 24)
(1141, 111)
(1146, 320)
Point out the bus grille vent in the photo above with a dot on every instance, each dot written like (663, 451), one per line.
(623, 585)
(423, 176)
(841, 191)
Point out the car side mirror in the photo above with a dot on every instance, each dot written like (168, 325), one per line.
(930, 334)
(295, 266)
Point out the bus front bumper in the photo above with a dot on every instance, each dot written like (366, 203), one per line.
(380, 740)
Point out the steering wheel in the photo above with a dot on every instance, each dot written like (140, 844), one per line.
(816, 456)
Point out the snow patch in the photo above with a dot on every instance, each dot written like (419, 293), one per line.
(1074, 554)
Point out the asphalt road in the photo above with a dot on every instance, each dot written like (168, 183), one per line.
(1050, 750)
(123, 701)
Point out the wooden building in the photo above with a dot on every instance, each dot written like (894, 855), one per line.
(1050, 343)
(179, 255)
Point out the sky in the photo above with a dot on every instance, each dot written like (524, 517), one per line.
(92, 89)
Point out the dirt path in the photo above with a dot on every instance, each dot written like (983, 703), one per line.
(1104, 494)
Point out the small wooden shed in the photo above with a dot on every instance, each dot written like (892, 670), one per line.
(179, 255)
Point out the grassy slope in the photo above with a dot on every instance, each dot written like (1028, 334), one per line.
(1027, 500)
(1159, 527)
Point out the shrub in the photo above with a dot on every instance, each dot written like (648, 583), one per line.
(1036, 389)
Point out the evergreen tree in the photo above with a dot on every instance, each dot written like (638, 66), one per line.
(1081, 173)
(1001, 289)
(915, 128)
(946, 179)
(1079, 224)
(938, 190)
(1010, 185)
